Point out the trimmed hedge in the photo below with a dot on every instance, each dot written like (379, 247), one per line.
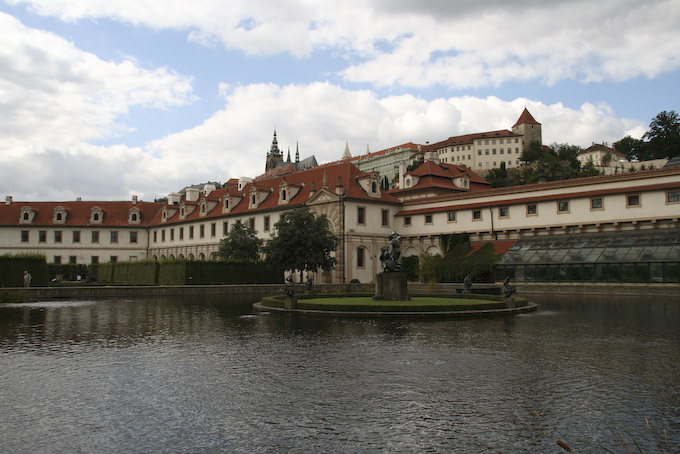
(183, 272)
(12, 269)
(69, 271)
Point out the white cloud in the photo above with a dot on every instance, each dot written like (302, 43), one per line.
(418, 44)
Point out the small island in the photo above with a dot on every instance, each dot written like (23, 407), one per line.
(392, 298)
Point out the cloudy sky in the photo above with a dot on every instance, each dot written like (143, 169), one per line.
(106, 99)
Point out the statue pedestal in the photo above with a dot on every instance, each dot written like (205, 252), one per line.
(290, 302)
(391, 287)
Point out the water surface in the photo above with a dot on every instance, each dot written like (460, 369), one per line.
(194, 376)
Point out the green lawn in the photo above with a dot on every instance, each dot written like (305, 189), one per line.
(415, 302)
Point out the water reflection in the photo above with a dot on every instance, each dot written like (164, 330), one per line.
(202, 376)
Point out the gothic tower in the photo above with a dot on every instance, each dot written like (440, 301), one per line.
(274, 156)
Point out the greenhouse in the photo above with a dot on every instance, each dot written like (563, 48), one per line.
(648, 256)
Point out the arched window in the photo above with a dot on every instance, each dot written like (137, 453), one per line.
(361, 257)
(374, 187)
(58, 216)
(283, 195)
(26, 216)
(95, 217)
(252, 200)
(134, 217)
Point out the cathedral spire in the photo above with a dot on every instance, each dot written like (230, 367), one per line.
(274, 149)
(346, 154)
(288, 160)
(297, 152)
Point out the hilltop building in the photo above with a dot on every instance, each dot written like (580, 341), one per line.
(484, 151)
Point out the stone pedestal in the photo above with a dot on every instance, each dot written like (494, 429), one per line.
(391, 287)
(290, 302)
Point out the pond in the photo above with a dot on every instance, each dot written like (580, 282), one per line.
(196, 375)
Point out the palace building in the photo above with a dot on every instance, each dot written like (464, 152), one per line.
(436, 198)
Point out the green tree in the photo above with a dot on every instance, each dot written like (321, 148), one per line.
(663, 137)
(241, 243)
(303, 242)
(634, 149)
(498, 177)
(533, 152)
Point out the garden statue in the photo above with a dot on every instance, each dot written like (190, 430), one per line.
(508, 290)
(290, 287)
(389, 255)
(309, 283)
(467, 284)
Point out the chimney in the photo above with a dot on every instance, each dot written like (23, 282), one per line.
(134, 200)
(79, 199)
(8, 200)
(192, 194)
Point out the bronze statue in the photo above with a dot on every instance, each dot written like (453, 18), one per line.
(389, 255)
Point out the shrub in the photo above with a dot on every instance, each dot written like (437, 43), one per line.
(410, 266)
(12, 269)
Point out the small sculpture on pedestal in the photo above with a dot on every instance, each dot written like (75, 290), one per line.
(389, 255)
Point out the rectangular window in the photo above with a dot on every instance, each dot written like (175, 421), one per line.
(673, 197)
(385, 218)
(251, 222)
(172, 234)
(57, 236)
(407, 220)
(133, 237)
(477, 215)
(213, 229)
(191, 232)
(267, 225)
(57, 259)
(479, 153)
(94, 259)
(201, 230)
(225, 228)
(114, 236)
(42, 236)
(181, 233)
(76, 236)
(503, 212)
(596, 203)
(95, 236)
(163, 235)
(633, 200)
(563, 206)
(532, 209)
(451, 216)
(360, 257)
(113, 258)
(428, 219)
(24, 236)
(72, 259)
(361, 215)
(155, 236)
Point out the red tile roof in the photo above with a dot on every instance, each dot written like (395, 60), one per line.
(469, 139)
(525, 118)
(116, 213)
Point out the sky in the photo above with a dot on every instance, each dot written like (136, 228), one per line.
(106, 99)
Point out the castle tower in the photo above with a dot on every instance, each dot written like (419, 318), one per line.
(529, 128)
(274, 156)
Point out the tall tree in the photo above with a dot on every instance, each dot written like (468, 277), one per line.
(241, 243)
(663, 137)
(303, 242)
(533, 152)
(634, 149)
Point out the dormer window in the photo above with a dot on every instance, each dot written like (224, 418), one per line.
(134, 216)
(283, 195)
(27, 215)
(59, 215)
(96, 215)
(203, 209)
(253, 199)
(374, 187)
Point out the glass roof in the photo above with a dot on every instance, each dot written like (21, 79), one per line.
(636, 246)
